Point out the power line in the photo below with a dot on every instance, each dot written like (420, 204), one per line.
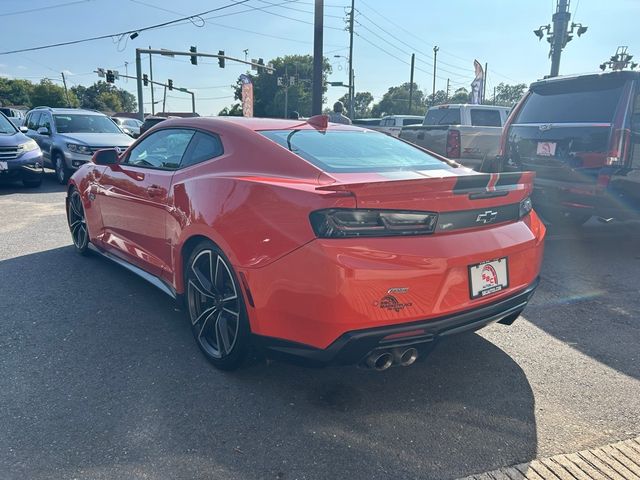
(39, 9)
(412, 34)
(128, 32)
(298, 9)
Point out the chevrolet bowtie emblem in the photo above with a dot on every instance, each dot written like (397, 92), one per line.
(487, 217)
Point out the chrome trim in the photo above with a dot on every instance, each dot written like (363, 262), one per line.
(152, 279)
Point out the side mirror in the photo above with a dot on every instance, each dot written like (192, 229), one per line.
(23, 129)
(43, 131)
(108, 156)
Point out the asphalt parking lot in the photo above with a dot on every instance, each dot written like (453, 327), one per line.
(100, 377)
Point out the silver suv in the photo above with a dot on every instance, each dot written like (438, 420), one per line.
(69, 136)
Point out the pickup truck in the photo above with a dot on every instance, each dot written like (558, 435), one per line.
(392, 124)
(469, 134)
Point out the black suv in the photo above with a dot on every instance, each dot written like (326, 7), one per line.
(581, 135)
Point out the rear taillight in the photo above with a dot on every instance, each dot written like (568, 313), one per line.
(525, 207)
(453, 144)
(618, 147)
(351, 222)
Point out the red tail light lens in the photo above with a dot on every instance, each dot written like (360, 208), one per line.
(618, 147)
(453, 144)
(350, 222)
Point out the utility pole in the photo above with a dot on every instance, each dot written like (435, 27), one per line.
(351, 87)
(448, 80)
(484, 83)
(153, 103)
(164, 100)
(560, 35)
(559, 40)
(494, 95)
(139, 82)
(435, 58)
(413, 60)
(66, 92)
(318, 60)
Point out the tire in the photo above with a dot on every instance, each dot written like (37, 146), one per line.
(77, 223)
(216, 308)
(62, 172)
(564, 218)
(32, 183)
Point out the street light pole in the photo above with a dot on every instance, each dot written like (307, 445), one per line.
(351, 89)
(435, 58)
(318, 60)
(139, 84)
(153, 103)
(560, 26)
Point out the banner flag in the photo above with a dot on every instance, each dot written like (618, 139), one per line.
(247, 95)
(477, 86)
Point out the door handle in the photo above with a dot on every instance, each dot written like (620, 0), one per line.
(155, 190)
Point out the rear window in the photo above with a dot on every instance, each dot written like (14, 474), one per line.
(485, 118)
(411, 121)
(443, 116)
(579, 101)
(354, 151)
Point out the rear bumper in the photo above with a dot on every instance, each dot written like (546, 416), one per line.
(352, 347)
(582, 198)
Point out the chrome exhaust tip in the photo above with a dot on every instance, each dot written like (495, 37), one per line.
(406, 357)
(379, 361)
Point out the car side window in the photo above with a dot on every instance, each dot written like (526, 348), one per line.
(34, 118)
(45, 121)
(203, 147)
(162, 149)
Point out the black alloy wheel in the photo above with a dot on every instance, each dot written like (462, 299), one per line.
(216, 307)
(78, 223)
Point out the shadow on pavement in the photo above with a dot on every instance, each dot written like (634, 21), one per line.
(100, 378)
(49, 185)
(589, 296)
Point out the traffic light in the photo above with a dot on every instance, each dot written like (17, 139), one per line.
(221, 58)
(170, 84)
(261, 63)
(111, 78)
(145, 79)
(194, 58)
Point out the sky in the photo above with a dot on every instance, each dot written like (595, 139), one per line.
(387, 32)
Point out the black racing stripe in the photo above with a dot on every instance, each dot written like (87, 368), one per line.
(465, 183)
(510, 178)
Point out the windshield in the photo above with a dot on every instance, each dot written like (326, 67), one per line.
(353, 151)
(6, 127)
(572, 101)
(78, 123)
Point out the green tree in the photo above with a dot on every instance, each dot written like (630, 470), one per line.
(461, 95)
(361, 104)
(269, 97)
(396, 101)
(105, 97)
(508, 95)
(48, 93)
(440, 98)
(15, 92)
(234, 111)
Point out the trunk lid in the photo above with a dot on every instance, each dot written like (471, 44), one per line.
(458, 197)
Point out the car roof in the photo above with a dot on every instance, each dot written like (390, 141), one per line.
(631, 75)
(403, 116)
(68, 111)
(469, 105)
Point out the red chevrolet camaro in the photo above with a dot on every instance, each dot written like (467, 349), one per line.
(328, 243)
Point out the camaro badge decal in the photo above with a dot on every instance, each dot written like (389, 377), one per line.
(389, 302)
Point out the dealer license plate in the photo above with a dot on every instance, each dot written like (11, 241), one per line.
(546, 149)
(488, 277)
(4, 166)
